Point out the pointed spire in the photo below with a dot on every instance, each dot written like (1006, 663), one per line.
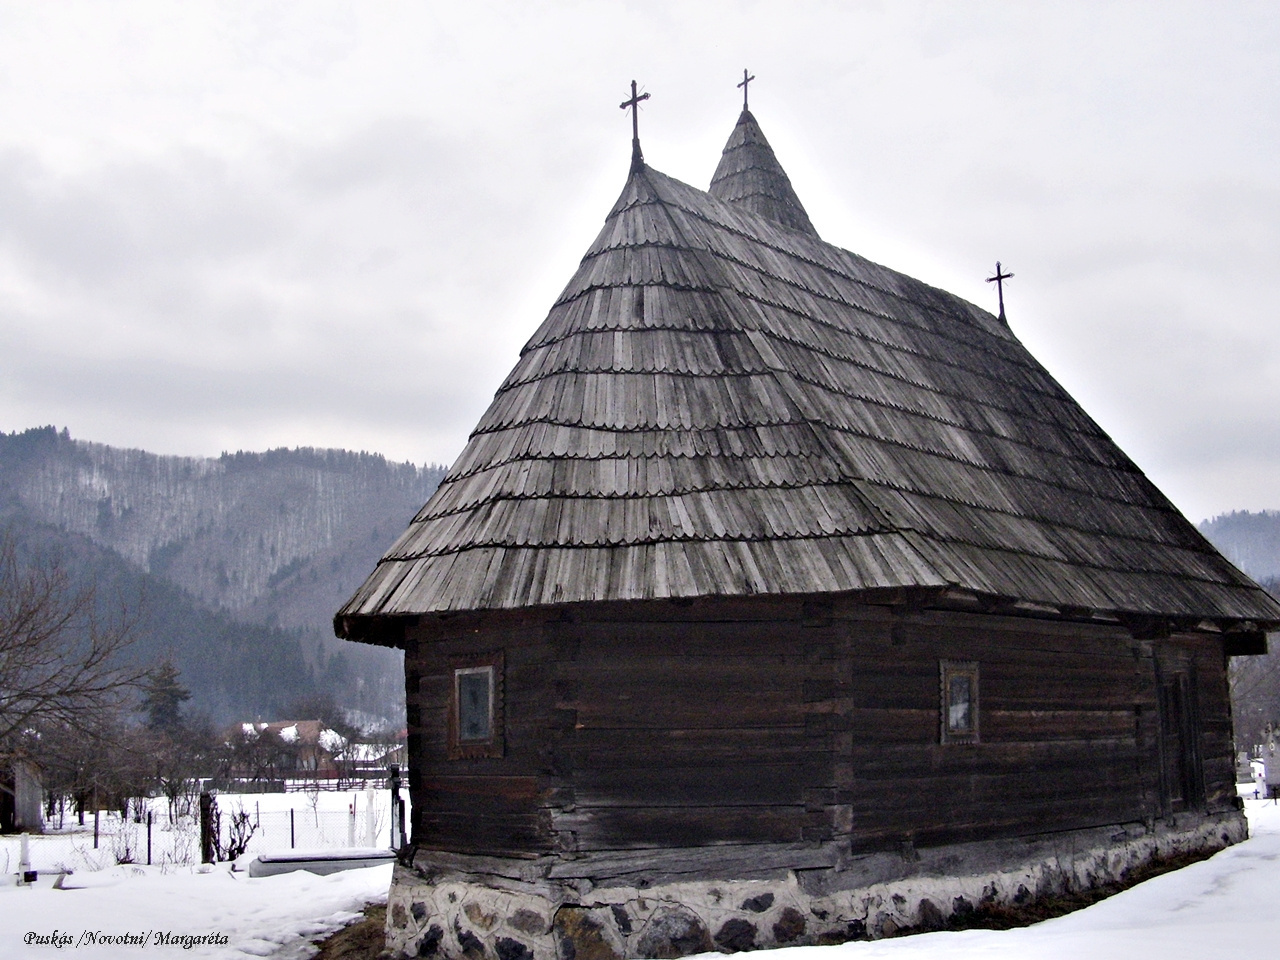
(750, 176)
(637, 157)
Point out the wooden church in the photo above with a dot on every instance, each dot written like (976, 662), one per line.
(780, 598)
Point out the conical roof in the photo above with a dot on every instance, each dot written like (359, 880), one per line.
(720, 404)
(750, 176)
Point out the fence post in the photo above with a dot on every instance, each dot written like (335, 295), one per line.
(207, 848)
(351, 822)
(24, 863)
(397, 809)
(148, 838)
(95, 822)
(291, 833)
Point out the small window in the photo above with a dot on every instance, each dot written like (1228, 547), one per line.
(475, 708)
(959, 701)
(475, 704)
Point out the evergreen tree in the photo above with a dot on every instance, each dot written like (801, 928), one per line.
(163, 697)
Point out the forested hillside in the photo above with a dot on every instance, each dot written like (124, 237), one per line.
(1252, 542)
(242, 559)
(1249, 540)
(235, 565)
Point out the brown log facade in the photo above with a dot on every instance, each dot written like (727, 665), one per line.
(783, 721)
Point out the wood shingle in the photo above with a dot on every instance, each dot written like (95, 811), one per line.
(722, 404)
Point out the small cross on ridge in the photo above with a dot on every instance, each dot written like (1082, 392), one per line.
(637, 157)
(745, 80)
(999, 280)
(634, 105)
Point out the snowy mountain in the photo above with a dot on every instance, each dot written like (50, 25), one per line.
(276, 540)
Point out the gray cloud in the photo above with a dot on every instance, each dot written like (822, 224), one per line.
(266, 225)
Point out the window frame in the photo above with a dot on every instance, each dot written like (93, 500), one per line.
(947, 669)
(458, 748)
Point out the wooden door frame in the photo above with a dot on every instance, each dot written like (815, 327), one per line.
(1175, 669)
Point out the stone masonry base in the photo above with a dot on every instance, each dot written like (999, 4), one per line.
(442, 911)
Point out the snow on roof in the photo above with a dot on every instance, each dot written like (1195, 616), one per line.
(331, 740)
(368, 752)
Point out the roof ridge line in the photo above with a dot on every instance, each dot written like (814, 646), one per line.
(825, 244)
(698, 215)
(563, 300)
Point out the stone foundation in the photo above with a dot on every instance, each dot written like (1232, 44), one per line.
(451, 907)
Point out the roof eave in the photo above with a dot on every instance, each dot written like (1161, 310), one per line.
(383, 630)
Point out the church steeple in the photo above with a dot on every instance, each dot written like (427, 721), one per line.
(750, 176)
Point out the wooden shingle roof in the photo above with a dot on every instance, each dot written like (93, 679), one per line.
(720, 403)
(750, 177)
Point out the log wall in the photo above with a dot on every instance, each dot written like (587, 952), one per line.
(645, 726)
(494, 805)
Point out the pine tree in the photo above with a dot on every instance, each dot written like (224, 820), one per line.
(163, 697)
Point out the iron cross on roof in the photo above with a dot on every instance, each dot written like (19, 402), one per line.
(999, 280)
(634, 105)
(745, 80)
(637, 158)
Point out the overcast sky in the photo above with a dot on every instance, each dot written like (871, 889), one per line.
(248, 225)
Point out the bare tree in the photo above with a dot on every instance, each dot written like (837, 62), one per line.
(60, 661)
(1255, 690)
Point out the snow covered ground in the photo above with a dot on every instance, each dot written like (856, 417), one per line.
(302, 820)
(1224, 907)
(270, 916)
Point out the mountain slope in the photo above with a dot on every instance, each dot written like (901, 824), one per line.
(228, 530)
(275, 541)
(234, 670)
(1249, 540)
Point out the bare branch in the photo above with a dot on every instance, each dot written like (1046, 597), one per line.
(60, 661)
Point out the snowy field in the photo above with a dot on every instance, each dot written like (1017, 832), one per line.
(1223, 907)
(301, 820)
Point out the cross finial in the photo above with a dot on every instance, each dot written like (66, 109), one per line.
(999, 280)
(745, 80)
(633, 104)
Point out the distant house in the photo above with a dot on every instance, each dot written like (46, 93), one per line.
(21, 796)
(780, 598)
(284, 749)
(371, 761)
